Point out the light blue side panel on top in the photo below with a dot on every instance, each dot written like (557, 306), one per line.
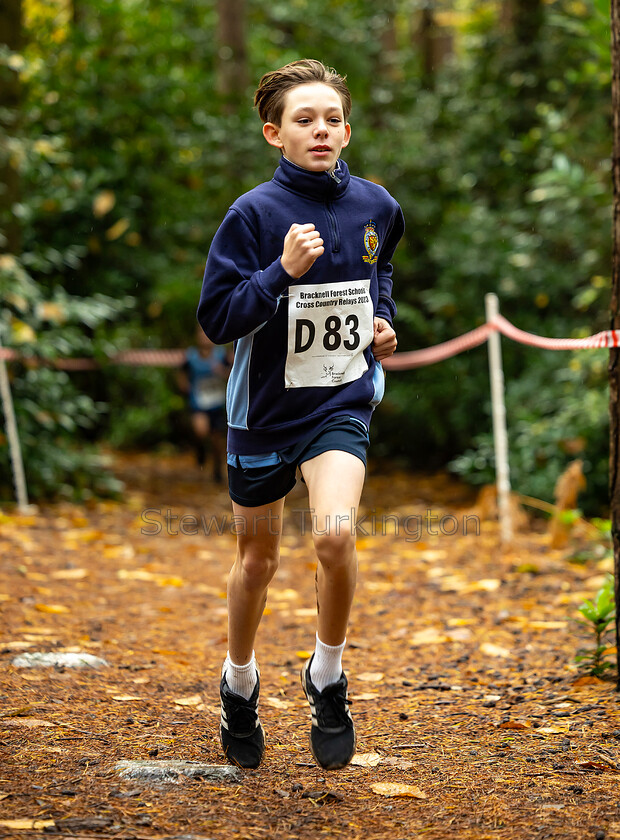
(238, 388)
(378, 380)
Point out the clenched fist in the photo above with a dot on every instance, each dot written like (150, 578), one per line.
(384, 339)
(302, 246)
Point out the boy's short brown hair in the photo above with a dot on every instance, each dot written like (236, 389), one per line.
(273, 87)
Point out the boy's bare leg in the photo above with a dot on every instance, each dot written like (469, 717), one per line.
(258, 550)
(201, 427)
(258, 543)
(335, 481)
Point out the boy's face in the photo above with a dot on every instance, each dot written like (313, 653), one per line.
(313, 131)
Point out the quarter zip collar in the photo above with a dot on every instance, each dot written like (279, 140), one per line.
(319, 186)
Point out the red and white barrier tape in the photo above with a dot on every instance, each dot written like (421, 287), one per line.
(399, 361)
(439, 352)
(134, 358)
(430, 355)
(607, 338)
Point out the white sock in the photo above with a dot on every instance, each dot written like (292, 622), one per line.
(241, 679)
(326, 667)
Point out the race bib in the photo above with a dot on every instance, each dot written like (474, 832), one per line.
(329, 327)
(209, 393)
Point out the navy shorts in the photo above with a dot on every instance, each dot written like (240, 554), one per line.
(217, 417)
(260, 480)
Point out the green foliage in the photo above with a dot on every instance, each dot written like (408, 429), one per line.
(551, 420)
(128, 158)
(54, 417)
(509, 195)
(599, 615)
(600, 549)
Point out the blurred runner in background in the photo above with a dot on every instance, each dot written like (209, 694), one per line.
(203, 379)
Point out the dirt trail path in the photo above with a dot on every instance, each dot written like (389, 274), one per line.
(460, 662)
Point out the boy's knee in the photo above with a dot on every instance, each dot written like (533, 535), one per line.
(335, 548)
(258, 567)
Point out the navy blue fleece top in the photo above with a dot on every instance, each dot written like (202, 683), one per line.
(302, 346)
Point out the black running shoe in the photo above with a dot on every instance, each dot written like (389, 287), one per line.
(241, 732)
(332, 734)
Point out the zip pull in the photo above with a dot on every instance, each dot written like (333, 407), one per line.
(333, 175)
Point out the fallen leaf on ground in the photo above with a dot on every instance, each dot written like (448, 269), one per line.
(429, 636)
(588, 680)
(167, 652)
(547, 625)
(278, 703)
(283, 594)
(515, 724)
(399, 763)
(432, 554)
(303, 654)
(194, 700)
(20, 711)
(125, 698)
(368, 696)
(27, 825)
(119, 552)
(486, 585)
(370, 676)
(459, 634)
(606, 760)
(83, 536)
(592, 765)
(370, 759)
(54, 609)
(159, 578)
(494, 650)
(398, 789)
(70, 574)
(29, 723)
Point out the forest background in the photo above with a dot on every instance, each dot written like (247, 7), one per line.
(127, 129)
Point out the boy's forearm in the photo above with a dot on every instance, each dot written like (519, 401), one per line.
(386, 307)
(232, 306)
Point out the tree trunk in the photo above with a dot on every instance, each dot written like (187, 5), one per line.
(386, 62)
(527, 21)
(232, 62)
(527, 18)
(425, 39)
(77, 13)
(434, 43)
(11, 35)
(614, 355)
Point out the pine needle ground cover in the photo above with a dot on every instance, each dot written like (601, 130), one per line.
(473, 719)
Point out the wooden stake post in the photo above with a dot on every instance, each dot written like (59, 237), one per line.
(500, 434)
(6, 400)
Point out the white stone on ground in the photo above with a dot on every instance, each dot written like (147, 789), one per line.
(58, 660)
(170, 771)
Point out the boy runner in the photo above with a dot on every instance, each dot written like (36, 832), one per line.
(299, 277)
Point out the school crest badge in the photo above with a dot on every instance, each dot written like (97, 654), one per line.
(371, 243)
